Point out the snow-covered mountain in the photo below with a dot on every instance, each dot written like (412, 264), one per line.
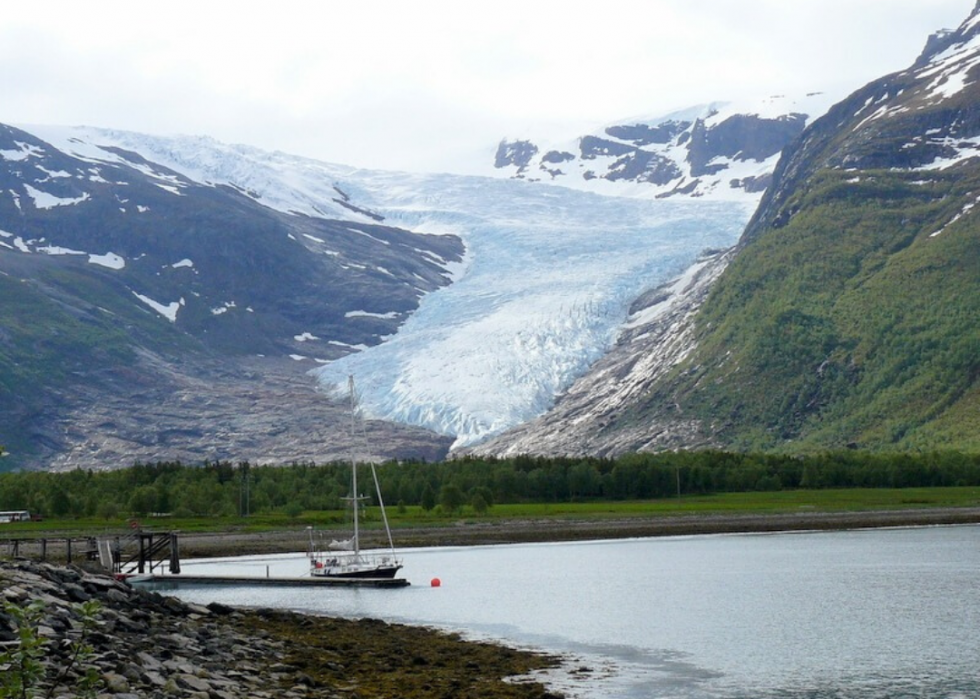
(145, 313)
(551, 275)
(846, 317)
(208, 254)
(541, 292)
(547, 281)
(467, 305)
(721, 151)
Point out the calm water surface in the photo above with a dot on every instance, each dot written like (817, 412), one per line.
(865, 614)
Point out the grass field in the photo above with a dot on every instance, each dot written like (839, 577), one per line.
(791, 501)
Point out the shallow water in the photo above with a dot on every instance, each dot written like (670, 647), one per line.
(884, 613)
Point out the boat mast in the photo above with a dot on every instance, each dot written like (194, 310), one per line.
(384, 517)
(353, 464)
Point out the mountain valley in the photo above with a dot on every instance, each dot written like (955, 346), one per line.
(848, 315)
(783, 275)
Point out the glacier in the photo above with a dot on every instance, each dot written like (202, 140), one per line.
(543, 292)
(550, 275)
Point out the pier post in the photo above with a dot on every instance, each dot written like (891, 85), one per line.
(68, 548)
(174, 554)
(44, 549)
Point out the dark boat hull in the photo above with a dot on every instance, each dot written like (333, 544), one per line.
(383, 572)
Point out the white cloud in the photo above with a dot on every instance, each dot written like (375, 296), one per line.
(417, 85)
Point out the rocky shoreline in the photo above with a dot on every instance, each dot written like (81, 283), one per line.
(149, 645)
(144, 644)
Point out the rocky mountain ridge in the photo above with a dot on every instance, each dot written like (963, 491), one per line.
(196, 379)
(719, 151)
(128, 284)
(155, 287)
(847, 316)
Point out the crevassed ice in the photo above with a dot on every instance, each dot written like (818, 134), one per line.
(550, 278)
(542, 292)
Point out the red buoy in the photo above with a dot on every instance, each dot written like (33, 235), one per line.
(436, 582)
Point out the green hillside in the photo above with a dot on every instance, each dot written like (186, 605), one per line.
(63, 329)
(851, 324)
(851, 314)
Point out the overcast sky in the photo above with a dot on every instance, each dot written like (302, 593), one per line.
(425, 85)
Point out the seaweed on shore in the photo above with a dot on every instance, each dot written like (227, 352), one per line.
(371, 658)
(151, 645)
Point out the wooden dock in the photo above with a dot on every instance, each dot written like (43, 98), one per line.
(228, 580)
(137, 556)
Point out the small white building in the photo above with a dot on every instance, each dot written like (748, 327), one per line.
(14, 516)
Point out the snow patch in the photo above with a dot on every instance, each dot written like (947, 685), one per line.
(183, 263)
(963, 212)
(369, 314)
(223, 309)
(55, 250)
(53, 174)
(964, 148)
(43, 200)
(305, 337)
(24, 151)
(368, 235)
(110, 260)
(950, 69)
(345, 345)
(168, 311)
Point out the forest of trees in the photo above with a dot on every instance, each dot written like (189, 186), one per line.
(216, 488)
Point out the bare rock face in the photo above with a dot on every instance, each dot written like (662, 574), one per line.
(595, 415)
(516, 153)
(673, 157)
(140, 306)
(262, 410)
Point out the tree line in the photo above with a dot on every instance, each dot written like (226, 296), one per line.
(225, 488)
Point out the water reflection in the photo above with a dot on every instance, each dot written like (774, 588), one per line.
(886, 613)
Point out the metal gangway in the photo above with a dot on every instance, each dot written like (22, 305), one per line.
(140, 553)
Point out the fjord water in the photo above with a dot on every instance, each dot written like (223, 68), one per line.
(870, 614)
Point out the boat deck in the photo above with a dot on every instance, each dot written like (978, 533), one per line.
(228, 580)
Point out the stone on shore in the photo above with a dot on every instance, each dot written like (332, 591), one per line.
(148, 645)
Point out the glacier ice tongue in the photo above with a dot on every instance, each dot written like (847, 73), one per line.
(544, 290)
(550, 277)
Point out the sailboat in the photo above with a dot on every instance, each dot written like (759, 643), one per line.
(344, 559)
